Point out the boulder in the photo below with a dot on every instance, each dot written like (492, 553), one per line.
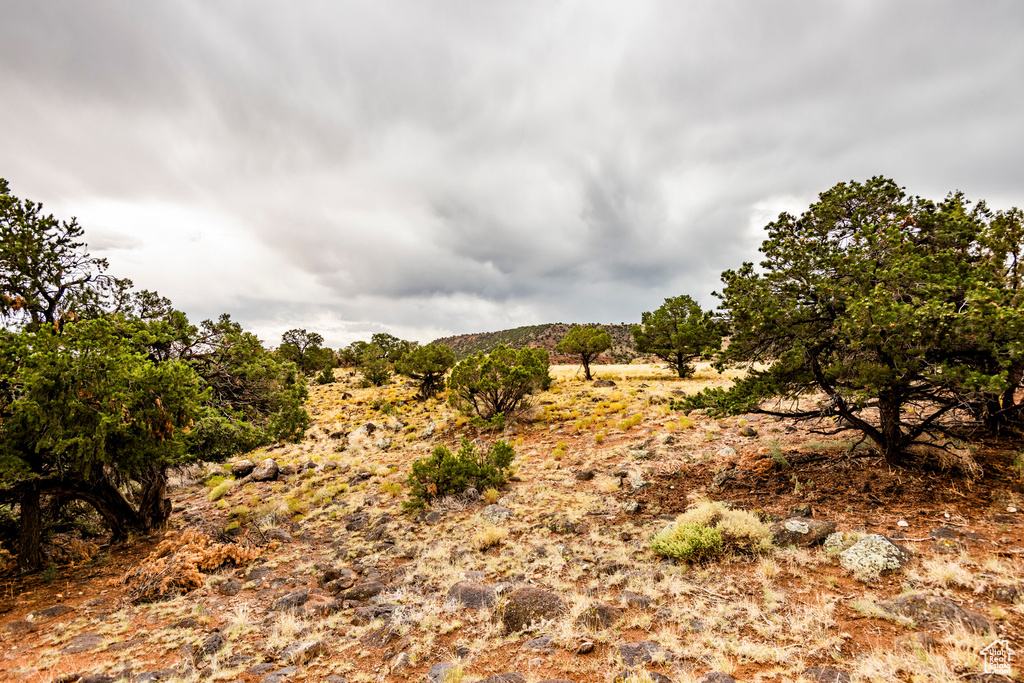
(801, 531)
(82, 643)
(510, 677)
(290, 602)
(472, 595)
(874, 554)
(527, 605)
(265, 471)
(928, 610)
(716, 677)
(438, 672)
(242, 468)
(362, 592)
(302, 652)
(642, 652)
(604, 383)
(818, 674)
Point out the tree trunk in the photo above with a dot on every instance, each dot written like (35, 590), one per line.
(30, 557)
(892, 437)
(154, 505)
(586, 368)
(118, 514)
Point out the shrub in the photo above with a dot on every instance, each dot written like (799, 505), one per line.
(692, 536)
(374, 366)
(445, 473)
(326, 375)
(490, 496)
(427, 365)
(488, 537)
(498, 383)
(220, 489)
(690, 542)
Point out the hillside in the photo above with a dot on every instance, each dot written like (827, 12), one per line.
(545, 336)
(306, 568)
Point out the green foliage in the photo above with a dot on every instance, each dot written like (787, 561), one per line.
(427, 365)
(498, 383)
(679, 332)
(46, 274)
(712, 528)
(391, 346)
(688, 542)
(881, 300)
(585, 342)
(775, 450)
(374, 366)
(218, 491)
(304, 350)
(326, 375)
(445, 473)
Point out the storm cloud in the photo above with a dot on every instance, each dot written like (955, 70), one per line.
(432, 168)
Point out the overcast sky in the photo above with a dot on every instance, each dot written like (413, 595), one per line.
(429, 168)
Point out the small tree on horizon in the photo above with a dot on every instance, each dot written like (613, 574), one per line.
(427, 365)
(586, 343)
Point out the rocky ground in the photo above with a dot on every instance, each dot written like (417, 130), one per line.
(298, 562)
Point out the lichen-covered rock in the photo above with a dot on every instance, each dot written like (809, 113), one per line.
(818, 674)
(265, 471)
(472, 595)
(928, 610)
(510, 677)
(801, 531)
(642, 652)
(874, 554)
(496, 513)
(525, 606)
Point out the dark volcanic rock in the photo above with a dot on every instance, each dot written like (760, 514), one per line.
(525, 606)
(472, 595)
(938, 612)
(801, 531)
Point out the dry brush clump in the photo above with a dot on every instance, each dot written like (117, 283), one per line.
(177, 565)
(711, 529)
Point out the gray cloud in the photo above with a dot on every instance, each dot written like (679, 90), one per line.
(434, 168)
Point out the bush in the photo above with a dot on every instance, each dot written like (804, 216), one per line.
(498, 383)
(445, 473)
(690, 542)
(326, 375)
(427, 365)
(693, 535)
(220, 489)
(374, 366)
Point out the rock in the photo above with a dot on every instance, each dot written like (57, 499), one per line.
(538, 643)
(563, 526)
(290, 602)
(339, 578)
(666, 440)
(472, 595)
(97, 678)
(242, 468)
(365, 430)
(429, 431)
(585, 475)
(603, 383)
(748, 431)
(585, 648)
(928, 610)
(438, 672)
(213, 644)
(49, 613)
(1007, 594)
(82, 643)
(642, 652)
(631, 599)
(265, 471)
(716, 677)
(230, 587)
(801, 531)
(383, 443)
(187, 622)
(628, 676)
(526, 605)
(804, 510)
(510, 677)
(496, 513)
(336, 679)
(874, 554)
(725, 452)
(599, 616)
(364, 615)
(821, 675)
(300, 653)
(279, 535)
(356, 522)
(471, 494)
(280, 675)
(286, 470)
(362, 592)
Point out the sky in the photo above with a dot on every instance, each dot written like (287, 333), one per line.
(432, 167)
